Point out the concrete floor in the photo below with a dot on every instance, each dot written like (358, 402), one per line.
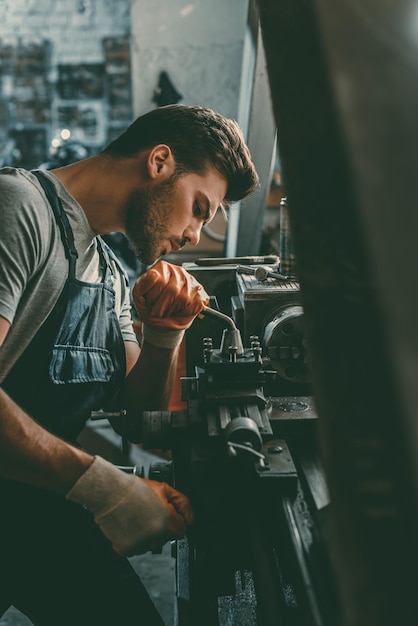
(156, 570)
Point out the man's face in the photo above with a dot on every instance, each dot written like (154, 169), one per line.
(167, 215)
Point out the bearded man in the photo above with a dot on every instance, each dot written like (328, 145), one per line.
(67, 347)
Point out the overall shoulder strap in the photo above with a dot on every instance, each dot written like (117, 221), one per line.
(60, 215)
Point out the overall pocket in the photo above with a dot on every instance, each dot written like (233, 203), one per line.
(80, 364)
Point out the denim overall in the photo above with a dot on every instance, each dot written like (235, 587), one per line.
(59, 567)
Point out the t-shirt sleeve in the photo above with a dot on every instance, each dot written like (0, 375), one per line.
(125, 308)
(126, 325)
(25, 238)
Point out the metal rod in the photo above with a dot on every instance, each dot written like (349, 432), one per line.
(217, 314)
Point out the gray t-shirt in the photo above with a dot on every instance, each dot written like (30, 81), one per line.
(33, 266)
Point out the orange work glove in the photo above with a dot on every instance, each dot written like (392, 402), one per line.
(135, 514)
(167, 299)
(178, 506)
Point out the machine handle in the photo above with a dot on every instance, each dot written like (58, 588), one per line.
(220, 316)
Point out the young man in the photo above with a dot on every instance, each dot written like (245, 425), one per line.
(67, 347)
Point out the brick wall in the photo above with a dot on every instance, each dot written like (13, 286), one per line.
(75, 27)
(63, 64)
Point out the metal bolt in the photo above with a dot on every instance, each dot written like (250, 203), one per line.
(257, 353)
(233, 353)
(274, 449)
(207, 353)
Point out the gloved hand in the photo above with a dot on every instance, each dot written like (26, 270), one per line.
(167, 299)
(178, 506)
(135, 514)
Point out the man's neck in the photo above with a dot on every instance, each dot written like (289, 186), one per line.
(95, 184)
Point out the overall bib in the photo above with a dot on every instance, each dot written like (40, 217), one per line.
(59, 567)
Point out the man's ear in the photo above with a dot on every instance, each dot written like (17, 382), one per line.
(161, 162)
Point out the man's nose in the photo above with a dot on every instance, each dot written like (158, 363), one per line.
(192, 234)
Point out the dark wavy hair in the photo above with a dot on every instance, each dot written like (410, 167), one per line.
(198, 137)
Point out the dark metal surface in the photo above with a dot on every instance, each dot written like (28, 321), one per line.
(344, 83)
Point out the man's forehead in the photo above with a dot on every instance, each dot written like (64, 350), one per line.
(214, 191)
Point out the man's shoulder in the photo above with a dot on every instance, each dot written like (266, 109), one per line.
(21, 195)
(16, 178)
(19, 187)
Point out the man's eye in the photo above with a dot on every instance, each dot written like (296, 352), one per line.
(197, 211)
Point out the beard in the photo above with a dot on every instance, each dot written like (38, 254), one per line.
(146, 220)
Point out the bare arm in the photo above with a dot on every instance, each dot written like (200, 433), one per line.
(31, 454)
(150, 381)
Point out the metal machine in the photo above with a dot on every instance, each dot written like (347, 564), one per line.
(244, 449)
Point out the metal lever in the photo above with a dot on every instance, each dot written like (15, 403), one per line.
(220, 316)
(231, 337)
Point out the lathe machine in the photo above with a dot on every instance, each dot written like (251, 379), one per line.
(244, 448)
